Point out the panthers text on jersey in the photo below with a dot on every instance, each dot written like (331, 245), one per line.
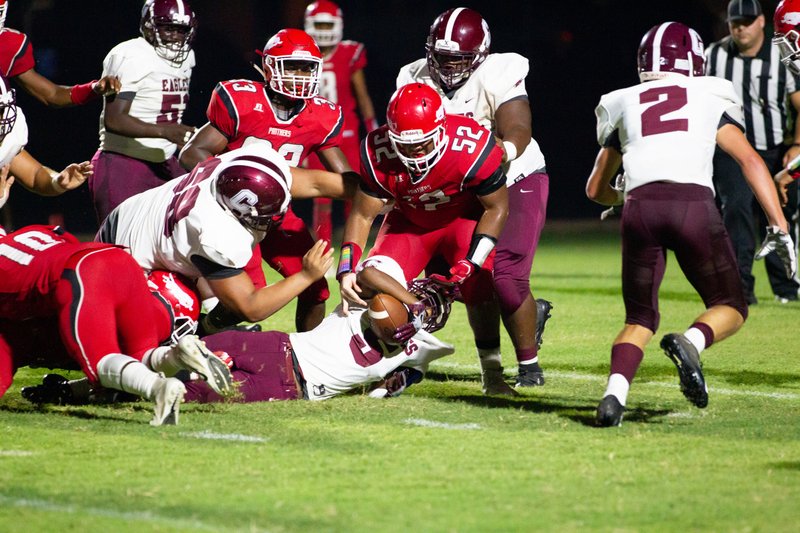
(469, 167)
(499, 79)
(16, 53)
(160, 93)
(165, 227)
(15, 141)
(651, 122)
(241, 109)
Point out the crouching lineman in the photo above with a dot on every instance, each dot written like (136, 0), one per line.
(667, 128)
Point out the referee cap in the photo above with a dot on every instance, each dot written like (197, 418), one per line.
(743, 9)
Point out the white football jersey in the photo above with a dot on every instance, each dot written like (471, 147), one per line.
(499, 79)
(337, 355)
(162, 92)
(15, 141)
(164, 227)
(667, 128)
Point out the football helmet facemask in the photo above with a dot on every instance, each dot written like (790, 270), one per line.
(458, 42)
(323, 22)
(787, 34)
(169, 26)
(292, 64)
(3, 12)
(416, 121)
(670, 48)
(8, 109)
(175, 290)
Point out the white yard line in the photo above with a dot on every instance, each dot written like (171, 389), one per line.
(210, 435)
(16, 453)
(602, 379)
(441, 425)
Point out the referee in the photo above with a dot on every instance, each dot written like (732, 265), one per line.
(768, 91)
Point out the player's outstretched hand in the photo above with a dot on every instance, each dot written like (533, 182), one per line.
(73, 176)
(350, 291)
(458, 274)
(107, 86)
(5, 185)
(781, 243)
(318, 260)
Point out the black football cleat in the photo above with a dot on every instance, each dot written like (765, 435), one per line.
(690, 369)
(609, 412)
(543, 308)
(54, 389)
(529, 376)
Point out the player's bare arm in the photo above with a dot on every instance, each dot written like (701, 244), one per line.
(794, 149)
(118, 120)
(598, 186)
(308, 183)
(365, 107)
(493, 219)
(208, 141)
(42, 180)
(6, 182)
(513, 124)
(239, 295)
(372, 281)
(54, 95)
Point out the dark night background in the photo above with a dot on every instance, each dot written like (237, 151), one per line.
(578, 51)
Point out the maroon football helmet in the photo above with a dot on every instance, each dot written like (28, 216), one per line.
(416, 122)
(292, 64)
(182, 299)
(255, 189)
(169, 25)
(324, 22)
(787, 34)
(458, 42)
(8, 108)
(670, 47)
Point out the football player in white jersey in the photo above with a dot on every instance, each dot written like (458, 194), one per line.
(140, 128)
(17, 164)
(207, 223)
(490, 88)
(665, 131)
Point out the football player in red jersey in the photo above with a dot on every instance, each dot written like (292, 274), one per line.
(342, 82)
(444, 174)
(106, 324)
(286, 112)
(17, 62)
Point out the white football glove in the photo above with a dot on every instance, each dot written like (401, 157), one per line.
(781, 243)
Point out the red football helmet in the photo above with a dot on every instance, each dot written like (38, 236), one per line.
(458, 42)
(787, 34)
(416, 122)
(175, 290)
(3, 11)
(324, 22)
(255, 190)
(8, 108)
(670, 47)
(169, 25)
(292, 64)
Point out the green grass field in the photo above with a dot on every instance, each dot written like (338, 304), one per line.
(443, 457)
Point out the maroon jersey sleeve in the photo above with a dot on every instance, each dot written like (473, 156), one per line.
(16, 53)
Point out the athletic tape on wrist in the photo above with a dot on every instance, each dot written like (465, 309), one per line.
(511, 150)
(349, 257)
(480, 247)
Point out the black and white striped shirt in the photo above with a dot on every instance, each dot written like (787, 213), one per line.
(763, 84)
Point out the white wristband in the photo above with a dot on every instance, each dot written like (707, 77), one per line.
(56, 185)
(511, 150)
(794, 164)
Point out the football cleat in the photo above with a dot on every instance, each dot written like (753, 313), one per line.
(196, 357)
(167, 394)
(529, 376)
(494, 384)
(543, 308)
(690, 369)
(609, 412)
(54, 389)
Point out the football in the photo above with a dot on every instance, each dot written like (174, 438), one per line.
(386, 314)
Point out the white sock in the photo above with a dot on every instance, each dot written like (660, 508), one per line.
(209, 304)
(122, 372)
(696, 337)
(163, 359)
(618, 386)
(529, 361)
(490, 359)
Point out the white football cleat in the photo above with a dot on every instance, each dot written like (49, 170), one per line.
(167, 395)
(195, 356)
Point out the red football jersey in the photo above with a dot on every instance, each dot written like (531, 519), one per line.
(241, 109)
(16, 53)
(469, 167)
(337, 69)
(31, 262)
